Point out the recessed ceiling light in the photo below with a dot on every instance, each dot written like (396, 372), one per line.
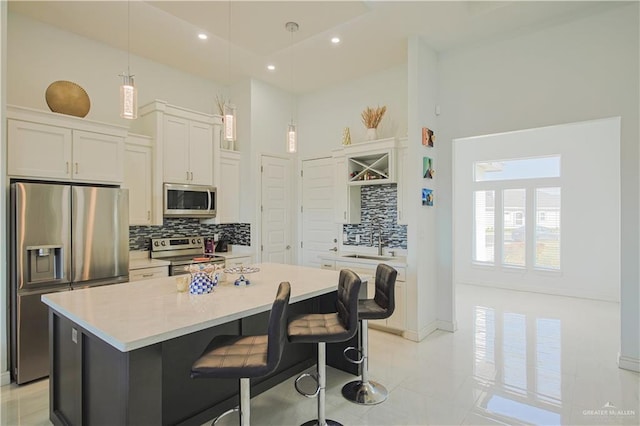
(335, 40)
(271, 67)
(203, 36)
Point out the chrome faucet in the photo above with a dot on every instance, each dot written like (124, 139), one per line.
(379, 238)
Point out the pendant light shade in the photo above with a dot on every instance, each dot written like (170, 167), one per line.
(292, 139)
(128, 92)
(292, 133)
(229, 122)
(128, 98)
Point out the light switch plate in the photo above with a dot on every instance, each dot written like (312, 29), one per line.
(357, 239)
(345, 237)
(216, 237)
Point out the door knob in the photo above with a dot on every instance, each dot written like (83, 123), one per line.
(288, 247)
(334, 249)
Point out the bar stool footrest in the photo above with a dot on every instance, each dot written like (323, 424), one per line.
(369, 393)
(351, 360)
(315, 422)
(303, 393)
(226, 413)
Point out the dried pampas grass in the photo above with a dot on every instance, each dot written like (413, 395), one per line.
(371, 117)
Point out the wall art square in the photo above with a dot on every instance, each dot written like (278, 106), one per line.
(427, 197)
(428, 137)
(427, 168)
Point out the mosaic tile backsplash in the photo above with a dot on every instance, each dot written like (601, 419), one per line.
(238, 234)
(378, 210)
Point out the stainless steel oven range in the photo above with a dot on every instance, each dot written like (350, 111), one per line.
(182, 251)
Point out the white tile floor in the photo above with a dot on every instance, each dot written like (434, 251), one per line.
(517, 358)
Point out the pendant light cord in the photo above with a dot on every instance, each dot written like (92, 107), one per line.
(128, 37)
(292, 97)
(229, 47)
(292, 27)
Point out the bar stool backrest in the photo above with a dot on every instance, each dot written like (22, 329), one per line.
(385, 288)
(277, 332)
(347, 305)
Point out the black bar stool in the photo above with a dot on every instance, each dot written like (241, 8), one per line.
(322, 328)
(245, 357)
(363, 391)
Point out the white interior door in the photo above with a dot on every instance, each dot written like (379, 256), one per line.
(319, 231)
(276, 209)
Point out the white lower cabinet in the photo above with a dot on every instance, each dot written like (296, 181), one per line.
(148, 273)
(238, 261)
(397, 321)
(137, 179)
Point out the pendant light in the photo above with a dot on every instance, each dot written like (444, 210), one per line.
(292, 134)
(128, 92)
(229, 110)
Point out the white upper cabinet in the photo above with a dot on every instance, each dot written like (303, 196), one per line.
(201, 153)
(184, 143)
(176, 150)
(138, 178)
(44, 145)
(346, 206)
(97, 157)
(38, 150)
(188, 151)
(403, 176)
(228, 187)
(185, 150)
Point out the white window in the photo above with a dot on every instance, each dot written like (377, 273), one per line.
(514, 235)
(547, 231)
(484, 237)
(512, 190)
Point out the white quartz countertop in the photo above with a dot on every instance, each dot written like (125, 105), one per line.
(146, 263)
(233, 254)
(133, 315)
(395, 261)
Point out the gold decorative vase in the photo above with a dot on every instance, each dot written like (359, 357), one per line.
(66, 97)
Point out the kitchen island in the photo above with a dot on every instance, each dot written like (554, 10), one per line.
(121, 354)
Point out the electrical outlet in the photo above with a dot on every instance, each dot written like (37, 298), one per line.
(345, 237)
(357, 239)
(216, 237)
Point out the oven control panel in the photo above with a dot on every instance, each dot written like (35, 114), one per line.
(179, 243)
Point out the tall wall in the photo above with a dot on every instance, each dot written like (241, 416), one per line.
(39, 54)
(582, 70)
(4, 362)
(324, 115)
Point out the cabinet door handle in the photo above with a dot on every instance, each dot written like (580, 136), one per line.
(76, 168)
(187, 175)
(67, 167)
(400, 215)
(148, 215)
(191, 175)
(345, 215)
(147, 275)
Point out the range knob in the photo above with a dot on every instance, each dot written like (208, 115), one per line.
(199, 241)
(155, 243)
(164, 243)
(193, 241)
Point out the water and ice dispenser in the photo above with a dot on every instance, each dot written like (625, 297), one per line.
(44, 263)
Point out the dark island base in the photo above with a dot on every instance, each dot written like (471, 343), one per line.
(92, 383)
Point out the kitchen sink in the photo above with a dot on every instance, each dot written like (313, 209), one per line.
(367, 256)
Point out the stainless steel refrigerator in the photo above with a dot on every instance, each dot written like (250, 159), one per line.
(62, 237)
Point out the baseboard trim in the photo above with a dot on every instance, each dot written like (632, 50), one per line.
(420, 335)
(5, 378)
(628, 363)
(450, 326)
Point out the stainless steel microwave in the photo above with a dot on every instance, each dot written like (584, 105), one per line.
(189, 200)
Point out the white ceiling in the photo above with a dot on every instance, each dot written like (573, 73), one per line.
(373, 33)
